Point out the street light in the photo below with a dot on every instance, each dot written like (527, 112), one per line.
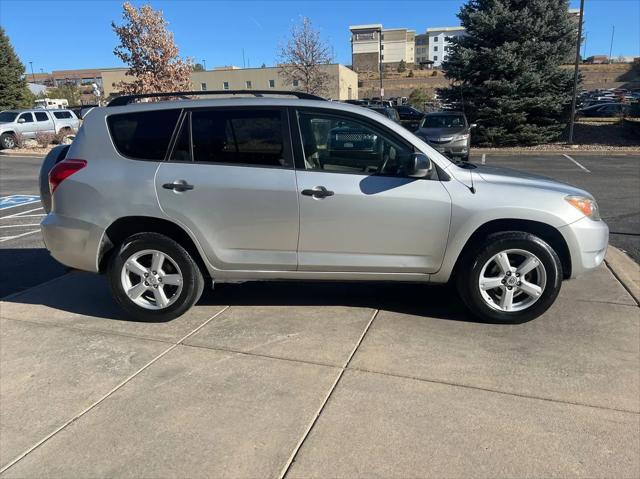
(204, 64)
(33, 76)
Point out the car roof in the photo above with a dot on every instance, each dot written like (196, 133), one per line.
(446, 113)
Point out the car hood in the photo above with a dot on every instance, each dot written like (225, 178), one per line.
(498, 175)
(440, 132)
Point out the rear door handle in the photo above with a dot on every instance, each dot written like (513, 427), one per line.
(317, 192)
(178, 185)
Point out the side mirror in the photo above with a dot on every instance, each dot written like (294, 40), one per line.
(473, 125)
(419, 166)
(21, 120)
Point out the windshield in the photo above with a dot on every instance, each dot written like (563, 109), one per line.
(7, 116)
(443, 121)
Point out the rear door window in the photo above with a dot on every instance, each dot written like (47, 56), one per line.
(41, 116)
(143, 135)
(240, 137)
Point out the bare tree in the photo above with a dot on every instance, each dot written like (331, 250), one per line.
(147, 46)
(302, 59)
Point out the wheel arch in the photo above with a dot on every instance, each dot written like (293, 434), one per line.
(544, 231)
(126, 226)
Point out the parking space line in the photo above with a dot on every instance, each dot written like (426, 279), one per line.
(14, 215)
(292, 458)
(7, 238)
(484, 157)
(18, 226)
(571, 159)
(110, 392)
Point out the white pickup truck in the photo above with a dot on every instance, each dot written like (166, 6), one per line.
(28, 123)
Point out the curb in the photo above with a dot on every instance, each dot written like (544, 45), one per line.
(511, 152)
(625, 269)
(22, 155)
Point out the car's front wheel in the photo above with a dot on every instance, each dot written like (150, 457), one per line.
(7, 141)
(153, 278)
(511, 277)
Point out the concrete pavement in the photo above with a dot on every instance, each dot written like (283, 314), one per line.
(319, 380)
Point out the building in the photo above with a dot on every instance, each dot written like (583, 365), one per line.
(422, 49)
(372, 44)
(439, 42)
(343, 82)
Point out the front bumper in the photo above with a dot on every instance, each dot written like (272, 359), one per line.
(587, 241)
(74, 243)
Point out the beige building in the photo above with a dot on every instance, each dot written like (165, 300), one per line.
(343, 82)
(372, 45)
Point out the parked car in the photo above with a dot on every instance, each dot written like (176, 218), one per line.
(28, 123)
(448, 132)
(387, 111)
(165, 197)
(603, 111)
(410, 118)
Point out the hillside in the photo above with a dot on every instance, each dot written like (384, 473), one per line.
(616, 75)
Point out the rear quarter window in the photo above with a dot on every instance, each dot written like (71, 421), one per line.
(62, 114)
(143, 135)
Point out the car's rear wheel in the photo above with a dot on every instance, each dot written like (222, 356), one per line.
(153, 278)
(510, 278)
(7, 141)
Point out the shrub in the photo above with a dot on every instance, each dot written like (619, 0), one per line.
(410, 74)
(44, 139)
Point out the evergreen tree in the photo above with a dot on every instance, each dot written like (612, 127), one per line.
(402, 66)
(506, 71)
(14, 92)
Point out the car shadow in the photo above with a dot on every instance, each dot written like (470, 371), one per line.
(88, 294)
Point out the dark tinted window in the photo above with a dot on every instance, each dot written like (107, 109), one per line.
(27, 117)
(41, 116)
(246, 137)
(342, 144)
(7, 116)
(443, 121)
(143, 135)
(62, 114)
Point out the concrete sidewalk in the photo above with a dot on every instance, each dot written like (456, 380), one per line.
(319, 380)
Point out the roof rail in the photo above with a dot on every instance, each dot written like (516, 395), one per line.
(126, 99)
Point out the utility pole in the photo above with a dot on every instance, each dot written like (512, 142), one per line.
(381, 67)
(204, 64)
(575, 75)
(613, 30)
(33, 76)
(243, 63)
(584, 50)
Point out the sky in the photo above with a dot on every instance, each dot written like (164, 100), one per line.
(59, 34)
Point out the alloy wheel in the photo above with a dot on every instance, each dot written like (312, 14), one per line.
(512, 280)
(151, 279)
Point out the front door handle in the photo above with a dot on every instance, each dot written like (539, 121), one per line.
(317, 192)
(178, 185)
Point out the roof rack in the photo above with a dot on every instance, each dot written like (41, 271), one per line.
(126, 99)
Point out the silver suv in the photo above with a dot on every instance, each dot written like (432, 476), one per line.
(166, 197)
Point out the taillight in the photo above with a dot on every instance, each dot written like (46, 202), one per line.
(64, 170)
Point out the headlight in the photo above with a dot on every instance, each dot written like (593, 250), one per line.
(587, 206)
(460, 137)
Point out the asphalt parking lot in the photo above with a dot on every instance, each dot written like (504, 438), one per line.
(277, 379)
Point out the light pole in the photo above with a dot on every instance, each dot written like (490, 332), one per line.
(575, 74)
(33, 76)
(381, 67)
(204, 64)
(613, 31)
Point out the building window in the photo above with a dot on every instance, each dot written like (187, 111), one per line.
(435, 58)
(295, 82)
(247, 84)
(225, 85)
(203, 86)
(435, 39)
(381, 57)
(381, 47)
(447, 39)
(435, 48)
(272, 83)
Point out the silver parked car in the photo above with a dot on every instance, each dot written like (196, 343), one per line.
(166, 197)
(448, 132)
(28, 123)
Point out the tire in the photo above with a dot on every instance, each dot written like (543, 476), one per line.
(183, 292)
(533, 292)
(7, 141)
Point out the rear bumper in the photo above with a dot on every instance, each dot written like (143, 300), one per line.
(587, 241)
(72, 242)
